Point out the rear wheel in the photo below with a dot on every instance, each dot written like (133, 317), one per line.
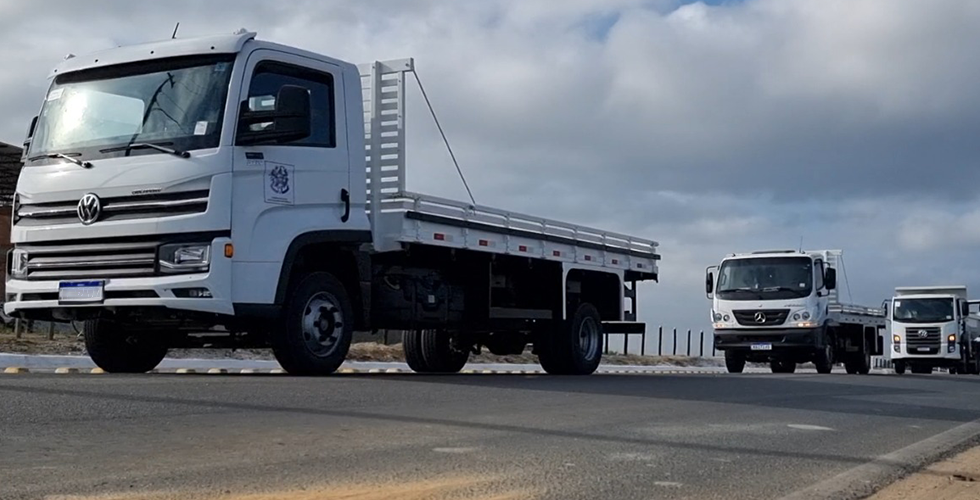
(115, 351)
(318, 327)
(412, 345)
(734, 362)
(444, 351)
(573, 347)
(859, 363)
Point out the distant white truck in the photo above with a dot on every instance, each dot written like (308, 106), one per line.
(931, 327)
(781, 307)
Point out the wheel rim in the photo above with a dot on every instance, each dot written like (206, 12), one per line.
(588, 338)
(323, 324)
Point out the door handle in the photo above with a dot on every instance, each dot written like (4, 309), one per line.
(345, 197)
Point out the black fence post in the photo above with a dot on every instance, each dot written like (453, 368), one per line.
(660, 340)
(643, 342)
(606, 341)
(675, 342)
(701, 355)
(689, 342)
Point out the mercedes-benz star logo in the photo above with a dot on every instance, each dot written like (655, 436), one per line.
(89, 208)
(760, 317)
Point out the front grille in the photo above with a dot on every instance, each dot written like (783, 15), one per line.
(923, 340)
(100, 260)
(770, 317)
(118, 208)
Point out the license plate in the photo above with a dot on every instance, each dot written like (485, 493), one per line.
(81, 291)
(924, 349)
(761, 347)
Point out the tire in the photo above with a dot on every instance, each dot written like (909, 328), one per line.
(573, 347)
(442, 352)
(824, 359)
(858, 364)
(319, 325)
(782, 366)
(734, 362)
(412, 344)
(113, 350)
(899, 367)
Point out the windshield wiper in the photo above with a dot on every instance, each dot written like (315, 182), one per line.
(740, 289)
(149, 145)
(778, 289)
(63, 156)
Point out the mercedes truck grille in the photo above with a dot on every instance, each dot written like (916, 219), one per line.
(118, 208)
(925, 340)
(761, 317)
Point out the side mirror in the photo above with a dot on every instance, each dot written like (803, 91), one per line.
(30, 134)
(964, 308)
(709, 283)
(830, 278)
(291, 120)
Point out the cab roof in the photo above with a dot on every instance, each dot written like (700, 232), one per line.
(213, 44)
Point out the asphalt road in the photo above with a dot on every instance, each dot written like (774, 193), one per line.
(479, 437)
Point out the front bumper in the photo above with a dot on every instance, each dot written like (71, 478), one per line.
(783, 339)
(38, 299)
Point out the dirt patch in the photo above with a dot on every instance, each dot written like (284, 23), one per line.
(439, 489)
(38, 343)
(957, 478)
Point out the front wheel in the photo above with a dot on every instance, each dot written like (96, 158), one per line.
(318, 327)
(899, 367)
(115, 351)
(573, 347)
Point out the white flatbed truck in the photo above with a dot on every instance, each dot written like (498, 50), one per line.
(224, 191)
(782, 307)
(931, 327)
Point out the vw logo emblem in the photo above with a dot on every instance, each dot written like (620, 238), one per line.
(923, 334)
(89, 208)
(760, 317)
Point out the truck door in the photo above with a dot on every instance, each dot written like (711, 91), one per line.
(282, 190)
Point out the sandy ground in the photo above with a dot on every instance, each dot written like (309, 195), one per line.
(38, 343)
(462, 488)
(957, 478)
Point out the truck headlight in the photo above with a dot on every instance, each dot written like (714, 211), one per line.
(806, 315)
(717, 317)
(185, 257)
(18, 263)
(896, 339)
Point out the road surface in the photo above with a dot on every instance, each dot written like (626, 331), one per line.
(476, 437)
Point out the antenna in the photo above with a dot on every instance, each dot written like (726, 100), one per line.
(175, 31)
(801, 244)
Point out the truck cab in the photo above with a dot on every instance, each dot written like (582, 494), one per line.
(781, 307)
(931, 327)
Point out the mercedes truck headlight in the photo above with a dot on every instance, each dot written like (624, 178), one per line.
(717, 317)
(18, 263)
(185, 257)
(806, 315)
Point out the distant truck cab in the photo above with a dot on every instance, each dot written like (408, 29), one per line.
(781, 307)
(931, 327)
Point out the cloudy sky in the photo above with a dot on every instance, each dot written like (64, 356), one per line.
(710, 127)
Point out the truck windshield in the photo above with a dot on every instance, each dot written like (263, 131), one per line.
(923, 310)
(178, 103)
(765, 278)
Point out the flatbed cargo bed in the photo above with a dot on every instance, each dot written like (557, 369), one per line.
(408, 218)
